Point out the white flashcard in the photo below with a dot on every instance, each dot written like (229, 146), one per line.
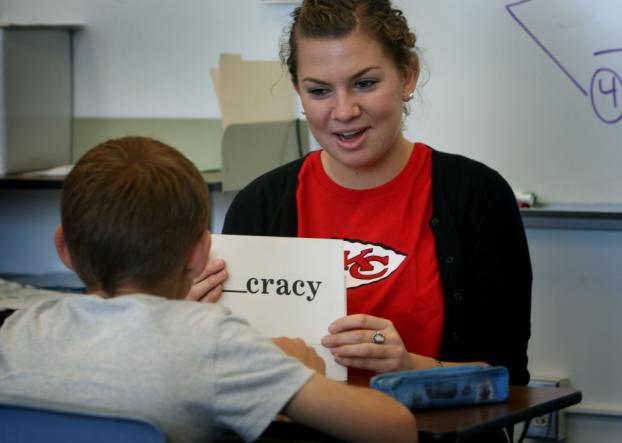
(292, 287)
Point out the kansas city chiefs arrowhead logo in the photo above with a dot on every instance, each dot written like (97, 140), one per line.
(366, 263)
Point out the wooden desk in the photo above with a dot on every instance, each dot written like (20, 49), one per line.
(524, 403)
(455, 424)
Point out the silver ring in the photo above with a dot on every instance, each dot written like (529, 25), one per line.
(378, 338)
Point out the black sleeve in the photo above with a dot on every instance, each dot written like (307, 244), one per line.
(498, 279)
(484, 264)
(267, 206)
(244, 216)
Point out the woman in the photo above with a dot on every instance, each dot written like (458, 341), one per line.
(436, 257)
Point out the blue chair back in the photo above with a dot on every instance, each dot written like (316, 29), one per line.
(30, 421)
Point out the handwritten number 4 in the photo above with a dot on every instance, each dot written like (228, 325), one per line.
(613, 90)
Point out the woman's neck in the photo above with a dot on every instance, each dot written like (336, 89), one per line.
(377, 174)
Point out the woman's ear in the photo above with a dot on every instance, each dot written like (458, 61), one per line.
(198, 255)
(411, 76)
(62, 249)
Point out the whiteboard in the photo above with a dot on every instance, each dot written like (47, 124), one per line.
(510, 82)
(533, 88)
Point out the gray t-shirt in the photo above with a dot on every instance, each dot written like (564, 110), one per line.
(192, 368)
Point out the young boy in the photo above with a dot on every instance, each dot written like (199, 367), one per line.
(134, 217)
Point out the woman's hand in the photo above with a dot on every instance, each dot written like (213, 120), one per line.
(207, 287)
(350, 342)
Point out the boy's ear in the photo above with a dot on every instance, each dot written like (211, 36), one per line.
(61, 247)
(199, 255)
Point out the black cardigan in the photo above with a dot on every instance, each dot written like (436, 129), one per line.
(481, 247)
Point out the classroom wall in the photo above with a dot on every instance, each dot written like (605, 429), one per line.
(144, 66)
(150, 59)
(575, 313)
(528, 89)
(146, 58)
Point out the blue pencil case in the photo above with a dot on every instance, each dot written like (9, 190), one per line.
(446, 386)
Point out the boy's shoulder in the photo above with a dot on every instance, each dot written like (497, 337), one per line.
(88, 311)
(148, 308)
(14, 295)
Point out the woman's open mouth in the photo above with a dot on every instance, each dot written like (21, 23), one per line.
(350, 135)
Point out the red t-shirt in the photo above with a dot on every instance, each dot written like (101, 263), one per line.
(390, 255)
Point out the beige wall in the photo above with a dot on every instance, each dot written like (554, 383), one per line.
(199, 139)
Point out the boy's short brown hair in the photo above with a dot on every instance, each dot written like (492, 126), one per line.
(131, 210)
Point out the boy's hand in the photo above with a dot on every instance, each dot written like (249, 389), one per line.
(298, 349)
(207, 287)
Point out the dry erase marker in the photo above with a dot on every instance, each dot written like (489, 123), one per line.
(525, 199)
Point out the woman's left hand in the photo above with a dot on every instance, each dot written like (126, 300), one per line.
(351, 343)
